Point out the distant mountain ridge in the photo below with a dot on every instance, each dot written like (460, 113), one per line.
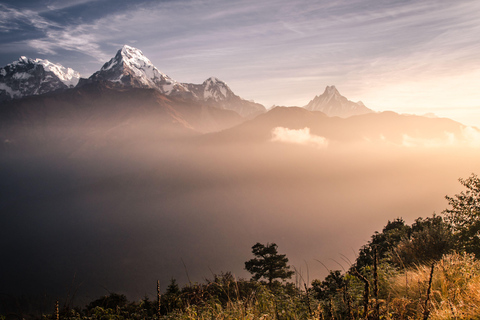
(219, 94)
(332, 103)
(95, 115)
(374, 128)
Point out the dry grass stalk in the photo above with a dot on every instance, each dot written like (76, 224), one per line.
(158, 299)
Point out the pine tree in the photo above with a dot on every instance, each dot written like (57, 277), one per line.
(268, 263)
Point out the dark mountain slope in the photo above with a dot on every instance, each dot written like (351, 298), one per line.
(99, 114)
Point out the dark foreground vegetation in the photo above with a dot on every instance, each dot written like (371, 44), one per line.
(427, 270)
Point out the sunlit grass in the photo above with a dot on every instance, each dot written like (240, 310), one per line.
(455, 290)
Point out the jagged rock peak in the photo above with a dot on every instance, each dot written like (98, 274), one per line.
(331, 90)
(332, 103)
(213, 80)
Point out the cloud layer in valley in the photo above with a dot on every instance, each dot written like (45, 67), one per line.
(298, 136)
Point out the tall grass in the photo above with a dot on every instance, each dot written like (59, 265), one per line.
(455, 291)
(454, 294)
(263, 304)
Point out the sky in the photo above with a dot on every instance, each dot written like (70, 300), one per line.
(406, 56)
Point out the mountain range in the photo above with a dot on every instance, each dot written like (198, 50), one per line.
(132, 69)
(129, 98)
(129, 68)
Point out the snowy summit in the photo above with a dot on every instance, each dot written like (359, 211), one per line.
(26, 77)
(216, 89)
(131, 67)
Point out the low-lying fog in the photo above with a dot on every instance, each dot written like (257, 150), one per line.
(119, 220)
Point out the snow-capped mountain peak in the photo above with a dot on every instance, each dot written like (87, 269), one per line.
(67, 75)
(132, 68)
(135, 58)
(332, 103)
(216, 90)
(26, 77)
(129, 57)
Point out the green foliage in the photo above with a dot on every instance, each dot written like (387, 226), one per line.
(112, 301)
(148, 307)
(464, 215)
(455, 295)
(334, 283)
(429, 240)
(402, 246)
(171, 300)
(268, 264)
(279, 301)
(333, 295)
(224, 288)
(384, 242)
(173, 287)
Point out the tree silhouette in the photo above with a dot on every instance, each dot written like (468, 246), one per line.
(464, 215)
(268, 263)
(384, 242)
(429, 240)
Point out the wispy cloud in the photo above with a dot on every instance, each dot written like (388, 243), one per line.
(54, 36)
(77, 38)
(12, 19)
(63, 4)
